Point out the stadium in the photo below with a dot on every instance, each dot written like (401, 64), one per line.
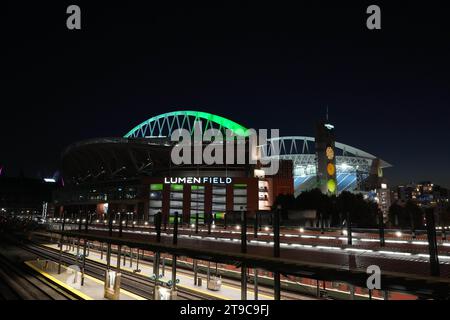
(133, 173)
(352, 165)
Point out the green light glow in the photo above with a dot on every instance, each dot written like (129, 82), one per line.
(224, 122)
(156, 187)
(331, 184)
(176, 187)
(220, 215)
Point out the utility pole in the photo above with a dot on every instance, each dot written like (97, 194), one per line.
(84, 249)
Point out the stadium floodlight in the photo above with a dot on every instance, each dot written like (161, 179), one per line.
(345, 166)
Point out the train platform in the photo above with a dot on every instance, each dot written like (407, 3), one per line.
(186, 281)
(70, 279)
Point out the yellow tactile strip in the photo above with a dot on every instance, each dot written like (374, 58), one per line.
(76, 292)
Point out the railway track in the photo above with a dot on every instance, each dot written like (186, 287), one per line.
(262, 290)
(19, 283)
(134, 283)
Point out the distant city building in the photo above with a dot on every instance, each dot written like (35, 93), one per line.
(424, 194)
(376, 188)
(26, 196)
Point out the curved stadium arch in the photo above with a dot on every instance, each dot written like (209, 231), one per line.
(164, 124)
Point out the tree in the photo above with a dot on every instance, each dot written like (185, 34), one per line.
(409, 216)
(415, 215)
(444, 217)
(287, 202)
(362, 213)
(395, 214)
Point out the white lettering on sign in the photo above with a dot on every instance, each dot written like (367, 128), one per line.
(197, 180)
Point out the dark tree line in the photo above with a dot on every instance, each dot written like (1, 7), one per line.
(363, 214)
(409, 216)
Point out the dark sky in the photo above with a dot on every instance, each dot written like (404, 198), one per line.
(265, 65)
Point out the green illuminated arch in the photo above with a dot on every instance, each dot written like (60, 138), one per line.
(164, 124)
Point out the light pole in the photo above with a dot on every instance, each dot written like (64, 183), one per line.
(349, 229)
(381, 226)
(61, 243)
(276, 252)
(243, 250)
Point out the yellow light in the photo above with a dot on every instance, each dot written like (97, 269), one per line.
(330, 169)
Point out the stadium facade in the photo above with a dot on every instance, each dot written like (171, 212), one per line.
(135, 175)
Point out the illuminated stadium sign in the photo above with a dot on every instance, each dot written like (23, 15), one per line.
(197, 180)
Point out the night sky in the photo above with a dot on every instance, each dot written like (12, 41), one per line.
(264, 65)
